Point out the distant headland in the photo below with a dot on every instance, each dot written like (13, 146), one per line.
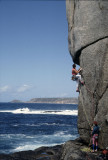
(50, 100)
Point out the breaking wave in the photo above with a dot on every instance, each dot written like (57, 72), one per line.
(31, 142)
(28, 111)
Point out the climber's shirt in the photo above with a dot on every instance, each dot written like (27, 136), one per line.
(74, 71)
(95, 130)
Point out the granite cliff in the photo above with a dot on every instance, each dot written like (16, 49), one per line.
(88, 46)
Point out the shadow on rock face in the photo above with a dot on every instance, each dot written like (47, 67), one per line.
(88, 46)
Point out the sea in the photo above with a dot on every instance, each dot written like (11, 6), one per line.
(27, 126)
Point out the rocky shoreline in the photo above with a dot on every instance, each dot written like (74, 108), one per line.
(71, 150)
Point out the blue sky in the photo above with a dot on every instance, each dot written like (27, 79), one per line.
(34, 57)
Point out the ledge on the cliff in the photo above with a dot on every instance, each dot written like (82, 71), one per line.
(71, 150)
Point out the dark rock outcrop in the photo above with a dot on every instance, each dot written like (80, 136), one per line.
(88, 46)
(42, 153)
(76, 150)
(71, 150)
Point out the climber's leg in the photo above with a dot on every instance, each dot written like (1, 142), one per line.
(93, 141)
(96, 145)
(78, 79)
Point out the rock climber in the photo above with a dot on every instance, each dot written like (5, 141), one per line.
(95, 134)
(76, 76)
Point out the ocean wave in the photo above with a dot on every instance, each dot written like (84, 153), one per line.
(26, 147)
(28, 111)
(41, 124)
(11, 136)
(33, 147)
(59, 134)
(31, 142)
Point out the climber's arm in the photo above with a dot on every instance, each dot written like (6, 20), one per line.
(80, 69)
(75, 71)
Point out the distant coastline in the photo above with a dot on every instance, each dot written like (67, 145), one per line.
(49, 100)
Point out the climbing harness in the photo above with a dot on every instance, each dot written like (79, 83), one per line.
(73, 78)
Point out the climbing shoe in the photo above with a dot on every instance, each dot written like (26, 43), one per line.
(82, 82)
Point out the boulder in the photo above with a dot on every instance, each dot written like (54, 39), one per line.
(42, 153)
(76, 150)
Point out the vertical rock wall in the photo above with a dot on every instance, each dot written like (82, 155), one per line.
(88, 46)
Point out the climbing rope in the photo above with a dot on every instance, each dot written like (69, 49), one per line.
(86, 113)
(92, 97)
(92, 112)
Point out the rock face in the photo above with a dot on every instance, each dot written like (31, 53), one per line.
(71, 150)
(76, 150)
(42, 153)
(88, 46)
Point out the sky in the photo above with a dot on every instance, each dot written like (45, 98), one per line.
(34, 57)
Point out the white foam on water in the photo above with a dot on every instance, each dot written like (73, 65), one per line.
(32, 147)
(47, 140)
(28, 111)
(31, 142)
(41, 124)
(26, 147)
(12, 136)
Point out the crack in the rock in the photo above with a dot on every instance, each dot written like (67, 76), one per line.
(100, 97)
(78, 53)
